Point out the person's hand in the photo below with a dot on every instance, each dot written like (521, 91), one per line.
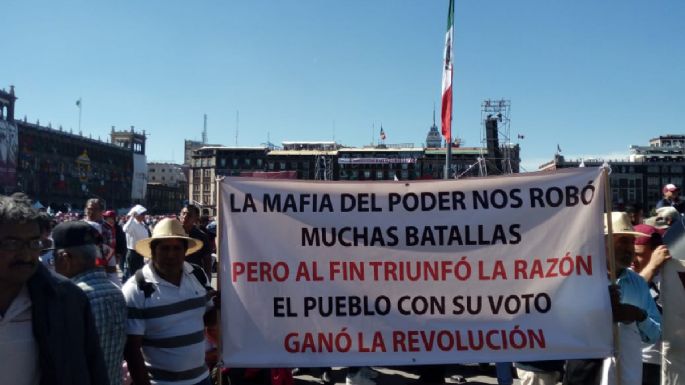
(659, 256)
(216, 298)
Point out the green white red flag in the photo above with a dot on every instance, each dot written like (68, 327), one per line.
(447, 78)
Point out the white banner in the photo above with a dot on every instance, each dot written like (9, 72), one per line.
(395, 273)
(139, 180)
(672, 297)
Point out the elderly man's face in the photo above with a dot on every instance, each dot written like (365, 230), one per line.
(624, 250)
(93, 211)
(168, 255)
(19, 251)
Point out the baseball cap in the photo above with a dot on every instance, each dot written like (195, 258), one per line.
(74, 233)
(670, 188)
(109, 214)
(651, 232)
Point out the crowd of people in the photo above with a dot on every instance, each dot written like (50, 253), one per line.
(111, 300)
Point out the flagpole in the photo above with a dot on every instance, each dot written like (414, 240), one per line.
(448, 158)
(608, 205)
(79, 114)
(447, 77)
(219, 243)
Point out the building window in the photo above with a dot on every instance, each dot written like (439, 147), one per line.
(222, 162)
(379, 175)
(234, 162)
(271, 165)
(259, 162)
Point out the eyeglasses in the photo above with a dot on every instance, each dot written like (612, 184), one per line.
(12, 244)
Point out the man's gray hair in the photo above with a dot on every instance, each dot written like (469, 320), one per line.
(17, 210)
(97, 201)
(89, 253)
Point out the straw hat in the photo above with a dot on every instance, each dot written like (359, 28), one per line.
(167, 228)
(620, 224)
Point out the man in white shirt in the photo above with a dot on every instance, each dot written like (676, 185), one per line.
(135, 230)
(168, 309)
(47, 331)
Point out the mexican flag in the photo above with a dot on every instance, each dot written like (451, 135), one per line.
(447, 78)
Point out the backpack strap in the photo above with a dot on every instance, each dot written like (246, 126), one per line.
(146, 287)
(199, 274)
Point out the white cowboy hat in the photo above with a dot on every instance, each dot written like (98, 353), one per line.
(620, 224)
(167, 228)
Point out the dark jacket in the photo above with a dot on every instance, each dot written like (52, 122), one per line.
(198, 257)
(64, 329)
(120, 236)
(679, 205)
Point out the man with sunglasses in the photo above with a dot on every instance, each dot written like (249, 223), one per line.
(47, 331)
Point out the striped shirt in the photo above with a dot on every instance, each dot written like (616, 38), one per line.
(171, 323)
(109, 310)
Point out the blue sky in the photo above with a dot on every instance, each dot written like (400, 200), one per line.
(591, 76)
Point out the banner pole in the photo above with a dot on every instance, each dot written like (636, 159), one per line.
(217, 244)
(612, 265)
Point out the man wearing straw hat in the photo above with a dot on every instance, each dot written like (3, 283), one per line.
(168, 308)
(632, 307)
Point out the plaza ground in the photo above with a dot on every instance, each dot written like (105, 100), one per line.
(473, 373)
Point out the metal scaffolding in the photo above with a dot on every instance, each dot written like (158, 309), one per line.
(498, 141)
(324, 168)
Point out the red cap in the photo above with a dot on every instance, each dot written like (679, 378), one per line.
(109, 214)
(651, 231)
(670, 188)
